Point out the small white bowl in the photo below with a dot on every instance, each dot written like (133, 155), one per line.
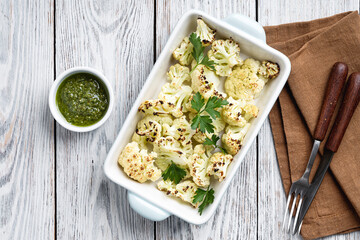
(55, 110)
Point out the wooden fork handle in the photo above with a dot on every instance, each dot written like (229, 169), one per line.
(335, 84)
(347, 109)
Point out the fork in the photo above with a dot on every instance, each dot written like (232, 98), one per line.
(299, 188)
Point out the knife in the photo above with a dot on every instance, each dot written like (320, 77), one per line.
(347, 109)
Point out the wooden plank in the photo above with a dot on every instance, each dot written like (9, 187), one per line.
(271, 195)
(236, 216)
(27, 203)
(115, 37)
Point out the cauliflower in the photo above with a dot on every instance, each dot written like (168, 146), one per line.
(218, 164)
(225, 53)
(198, 163)
(175, 96)
(238, 113)
(178, 74)
(169, 150)
(138, 164)
(141, 140)
(183, 52)
(205, 81)
(251, 64)
(233, 137)
(180, 130)
(185, 190)
(151, 126)
(218, 123)
(250, 111)
(156, 107)
(244, 84)
(269, 70)
(206, 34)
(247, 81)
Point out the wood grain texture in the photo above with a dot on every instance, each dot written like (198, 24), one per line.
(236, 216)
(334, 87)
(116, 38)
(271, 196)
(347, 109)
(27, 182)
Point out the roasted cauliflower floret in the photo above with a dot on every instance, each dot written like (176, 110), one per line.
(205, 81)
(180, 129)
(200, 75)
(151, 126)
(183, 52)
(218, 124)
(138, 164)
(225, 53)
(197, 164)
(233, 137)
(178, 74)
(218, 164)
(185, 190)
(167, 186)
(244, 84)
(251, 64)
(206, 34)
(169, 150)
(141, 140)
(176, 97)
(269, 70)
(238, 112)
(156, 107)
(250, 111)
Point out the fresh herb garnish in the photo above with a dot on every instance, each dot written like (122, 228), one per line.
(204, 123)
(213, 141)
(198, 53)
(174, 173)
(204, 196)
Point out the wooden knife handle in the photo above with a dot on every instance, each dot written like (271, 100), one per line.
(335, 84)
(347, 109)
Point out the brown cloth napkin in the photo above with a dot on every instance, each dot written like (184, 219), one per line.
(313, 47)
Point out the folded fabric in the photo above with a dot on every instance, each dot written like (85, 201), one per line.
(313, 47)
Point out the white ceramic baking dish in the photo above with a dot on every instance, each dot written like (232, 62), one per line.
(145, 198)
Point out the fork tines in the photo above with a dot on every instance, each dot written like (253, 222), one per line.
(293, 195)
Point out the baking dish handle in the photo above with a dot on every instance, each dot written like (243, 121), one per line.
(146, 209)
(247, 25)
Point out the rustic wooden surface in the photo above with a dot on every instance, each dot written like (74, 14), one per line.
(51, 180)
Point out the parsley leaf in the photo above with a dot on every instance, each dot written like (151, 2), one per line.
(199, 195)
(174, 173)
(212, 103)
(204, 196)
(209, 63)
(204, 122)
(198, 50)
(197, 102)
(198, 53)
(213, 141)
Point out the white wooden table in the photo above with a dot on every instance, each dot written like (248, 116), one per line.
(51, 180)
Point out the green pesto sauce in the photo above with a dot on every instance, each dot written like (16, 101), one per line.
(82, 99)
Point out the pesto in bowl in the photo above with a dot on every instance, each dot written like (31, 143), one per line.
(82, 99)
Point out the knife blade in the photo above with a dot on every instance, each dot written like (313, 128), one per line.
(347, 109)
